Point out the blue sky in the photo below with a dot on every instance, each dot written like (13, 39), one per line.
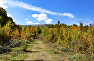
(30, 12)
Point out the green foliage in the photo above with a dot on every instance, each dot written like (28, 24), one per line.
(3, 37)
(10, 25)
(4, 18)
(56, 25)
(2, 12)
(74, 25)
(18, 56)
(64, 49)
(24, 45)
(63, 25)
(17, 53)
(38, 30)
(50, 26)
(76, 39)
(79, 57)
(85, 28)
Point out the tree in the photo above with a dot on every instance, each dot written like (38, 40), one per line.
(56, 25)
(85, 28)
(50, 26)
(4, 38)
(74, 25)
(63, 25)
(3, 12)
(38, 30)
(58, 28)
(58, 22)
(4, 18)
(81, 26)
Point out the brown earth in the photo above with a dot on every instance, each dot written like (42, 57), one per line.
(38, 53)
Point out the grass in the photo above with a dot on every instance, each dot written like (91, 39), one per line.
(52, 50)
(19, 56)
(16, 54)
(66, 55)
(49, 51)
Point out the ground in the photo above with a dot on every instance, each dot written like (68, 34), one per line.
(38, 53)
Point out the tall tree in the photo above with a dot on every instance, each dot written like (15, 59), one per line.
(4, 18)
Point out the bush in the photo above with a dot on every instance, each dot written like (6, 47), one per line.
(92, 57)
(64, 49)
(15, 43)
(3, 38)
(24, 45)
(79, 57)
(4, 49)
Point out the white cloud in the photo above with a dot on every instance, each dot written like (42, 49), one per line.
(48, 21)
(36, 23)
(35, 15)
(67, 14)
(3, 4)
(29, 22)
(38, 9)
(26, 19)
(40, 17)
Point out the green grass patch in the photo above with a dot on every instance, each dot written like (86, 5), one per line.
(30, 45)
(19, 56)
(49, 51)
(17, 53)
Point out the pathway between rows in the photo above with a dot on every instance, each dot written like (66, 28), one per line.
(38, 53)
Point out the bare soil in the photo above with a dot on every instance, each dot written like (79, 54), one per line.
(38, 53)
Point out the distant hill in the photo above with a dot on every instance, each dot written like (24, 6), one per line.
(40, 25)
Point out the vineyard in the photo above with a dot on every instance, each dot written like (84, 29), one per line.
(71, 42)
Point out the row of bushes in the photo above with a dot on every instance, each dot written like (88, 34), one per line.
(13, 35)
(76, 39)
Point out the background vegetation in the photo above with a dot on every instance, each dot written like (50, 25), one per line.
(77, 41)
(74, 40)
(15, 40)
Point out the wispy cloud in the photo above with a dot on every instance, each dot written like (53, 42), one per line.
(3, 4)
(26, 19)
(38, 9)
(36, 23)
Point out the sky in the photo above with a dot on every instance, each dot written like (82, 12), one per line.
(32, 12)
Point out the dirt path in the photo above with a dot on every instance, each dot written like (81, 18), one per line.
(38, 53)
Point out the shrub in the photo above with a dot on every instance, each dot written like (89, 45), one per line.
(15, 43)
(92, 56)
(64, 49)
(3, 38)
(24, 45)
(79, 57)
